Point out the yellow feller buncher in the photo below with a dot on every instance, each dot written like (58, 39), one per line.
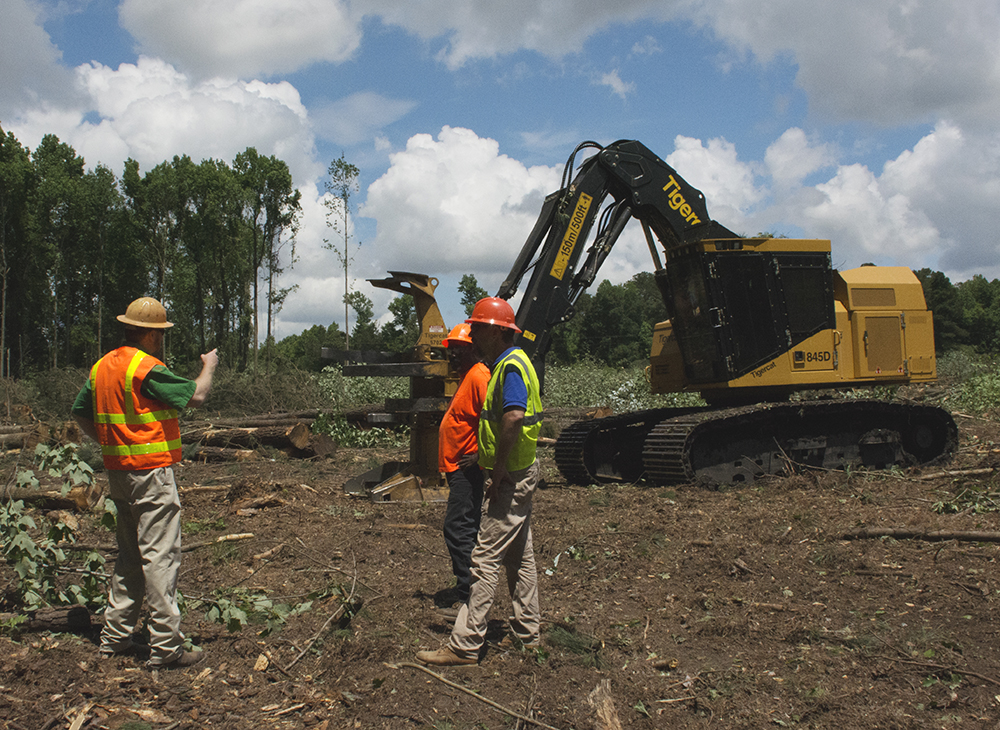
(751, 321)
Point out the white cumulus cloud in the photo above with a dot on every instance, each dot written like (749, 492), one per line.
(791, 158)
(552, 28)
(150, 111)
(896, 61)
(932, 206)
(242, 38)
(455, 204)
(614, 82)
(30, 63)
(727, 183)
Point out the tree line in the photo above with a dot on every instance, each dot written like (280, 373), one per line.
(209, 239)
(77, 245)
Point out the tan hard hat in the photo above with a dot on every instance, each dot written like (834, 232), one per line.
(146, 312)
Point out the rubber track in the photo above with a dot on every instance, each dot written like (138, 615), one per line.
(673, 445)
(608, 449)
(738, 445)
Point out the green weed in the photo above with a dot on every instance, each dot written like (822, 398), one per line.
(347, 434)
(621, 389)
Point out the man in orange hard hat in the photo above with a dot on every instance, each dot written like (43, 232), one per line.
(129, 406)
(457, 459)
(508, 434)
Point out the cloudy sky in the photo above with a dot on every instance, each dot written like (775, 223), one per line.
(874, 123)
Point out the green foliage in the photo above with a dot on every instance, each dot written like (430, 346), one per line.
(287, 389)
(978, 382)
(195, 526)
(341, 187)
(62, 462)
(78, 244)
(346, 434)
(365, 335)
(618, 326)
(975, 498)
(237, 608)
(401, 333)
(578, 643)
(38, 563)
(622, 389)
(38, 560)
(942, 298)
(342, 392)
(200, 236)
(304, 351)
(471, 292)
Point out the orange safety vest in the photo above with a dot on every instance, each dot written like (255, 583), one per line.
(457, 433)
(136, 432)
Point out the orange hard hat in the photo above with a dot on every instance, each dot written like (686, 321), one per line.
(493, 310)
(459, 333)
(146, 312)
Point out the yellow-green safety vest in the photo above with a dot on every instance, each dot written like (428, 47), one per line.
(523, 453)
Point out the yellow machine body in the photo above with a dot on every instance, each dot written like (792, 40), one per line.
(883, 334)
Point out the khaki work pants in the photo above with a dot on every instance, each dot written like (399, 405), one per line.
(504, 540)
(149, 558)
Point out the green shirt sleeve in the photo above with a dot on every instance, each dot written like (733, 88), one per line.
(83, 406)
(173, 390)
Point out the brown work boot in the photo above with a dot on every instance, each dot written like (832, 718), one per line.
(511, 642)
(448, 614)
(444, 657)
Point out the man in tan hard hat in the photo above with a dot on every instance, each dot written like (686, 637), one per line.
(129, 406)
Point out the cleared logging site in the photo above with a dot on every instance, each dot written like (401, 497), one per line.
(826, 599)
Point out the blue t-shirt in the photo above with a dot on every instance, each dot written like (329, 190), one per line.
(515, 392)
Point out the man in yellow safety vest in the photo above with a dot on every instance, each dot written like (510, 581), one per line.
(508, 434)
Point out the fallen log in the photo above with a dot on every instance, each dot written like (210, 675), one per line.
(27, 438)
(77, 499)
(280, 437)
(255, 504)
(60, 619)
(868, 533)
(186, 547)
(216, 453)
(958, 473)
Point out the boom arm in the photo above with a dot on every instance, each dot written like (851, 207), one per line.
(642, 186)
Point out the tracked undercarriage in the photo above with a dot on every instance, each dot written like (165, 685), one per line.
(738, 445)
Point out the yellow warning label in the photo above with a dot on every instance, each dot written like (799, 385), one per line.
(569, 238)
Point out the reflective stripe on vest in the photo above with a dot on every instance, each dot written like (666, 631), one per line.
(523, 453)
(136, 432)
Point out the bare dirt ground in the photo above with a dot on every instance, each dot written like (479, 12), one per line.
(737, 609)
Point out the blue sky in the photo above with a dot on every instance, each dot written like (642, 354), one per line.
(874, 123)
